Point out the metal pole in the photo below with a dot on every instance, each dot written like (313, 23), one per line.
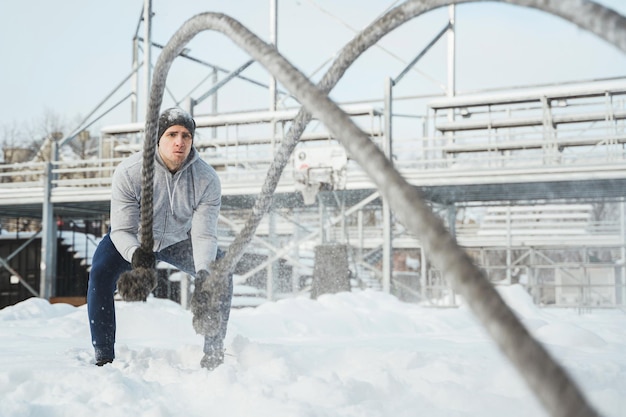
(273, 41)
(147, 47)
(451, 58)
(16, 274)
(509, 243)
(622, 287)
(188, 105)
(452, 51)
(48, 236)
(322, 215)
(387, 238)
(295, 270)
(184, 291)
(271, 266)
(134, 103)
(451, 76)
(361, 235)
(273, 18)
(421, 54)
(452, 229)
(533, 279)
(214, 103)
(423, 272)
(215, 87)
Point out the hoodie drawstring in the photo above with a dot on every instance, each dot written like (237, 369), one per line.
(171, 191)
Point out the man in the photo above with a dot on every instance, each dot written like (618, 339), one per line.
(187, 199)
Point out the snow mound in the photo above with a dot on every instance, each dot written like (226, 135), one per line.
(565, 334)
(33, 308)
(363, 353)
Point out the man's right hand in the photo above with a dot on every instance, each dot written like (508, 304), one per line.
(143, 259)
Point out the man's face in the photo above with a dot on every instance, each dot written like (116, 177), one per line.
(174, 146)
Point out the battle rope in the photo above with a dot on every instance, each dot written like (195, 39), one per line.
(548, 380)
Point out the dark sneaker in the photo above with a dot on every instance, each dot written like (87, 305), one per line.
(212, 360)
(102, 362)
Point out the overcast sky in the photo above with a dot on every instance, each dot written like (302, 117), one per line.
(66, 56)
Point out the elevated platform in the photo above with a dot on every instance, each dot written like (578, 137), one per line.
(551, 143)
(91, 198)
(483, 156)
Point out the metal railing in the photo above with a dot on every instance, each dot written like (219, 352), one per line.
(570, 136)
(450, 152)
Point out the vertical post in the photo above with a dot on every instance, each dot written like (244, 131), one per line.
(622, 287)
(188, 105)
(509, 242)
(344, 230)
(451, 58)
(272, 269)
(532, 278)
(273, 41)
(451, 76)
(322, 215)
(184, 291)
(272, 86)
(452, 219)
(271, 266)
(423, 272)
(147, 48)
(387, 149)
(452, 228)
(360, 231)
(134, 106)
(295, 271)
(214, 103)
(47, 266)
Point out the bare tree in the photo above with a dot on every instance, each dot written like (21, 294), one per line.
(33, 141)
(15, 143)
(47, 129)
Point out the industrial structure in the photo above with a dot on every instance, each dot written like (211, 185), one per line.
(531, 182)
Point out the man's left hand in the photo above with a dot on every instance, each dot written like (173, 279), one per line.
(206, 304)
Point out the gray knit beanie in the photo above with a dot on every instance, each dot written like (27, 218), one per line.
(175, 116)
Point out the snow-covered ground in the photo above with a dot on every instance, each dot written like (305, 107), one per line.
(361, 354)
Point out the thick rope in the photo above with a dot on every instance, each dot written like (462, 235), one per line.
(346, 57)
(147, 194)
(164, 62)
(546, 378)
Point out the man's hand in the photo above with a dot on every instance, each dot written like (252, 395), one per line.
(143, 259)
(137, 284)
(200, 298)
(206, 304)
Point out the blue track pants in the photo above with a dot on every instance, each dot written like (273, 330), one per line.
(106, 268)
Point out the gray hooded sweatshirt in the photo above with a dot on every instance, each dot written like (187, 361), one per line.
(186, 205)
